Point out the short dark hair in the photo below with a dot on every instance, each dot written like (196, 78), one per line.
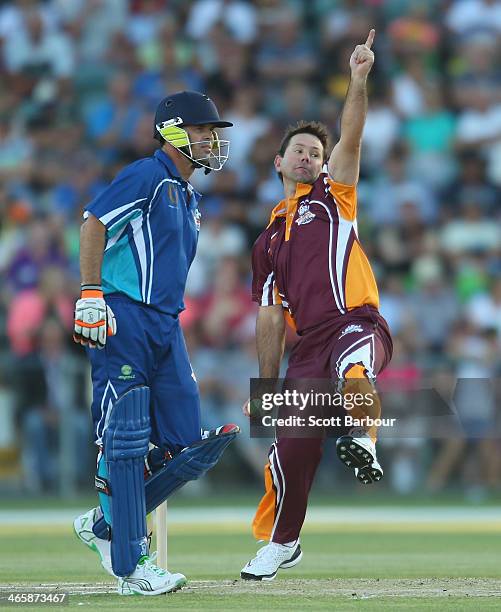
(315, 128)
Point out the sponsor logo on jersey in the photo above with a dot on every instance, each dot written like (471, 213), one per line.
(350, 329)
(304, 215)
(126, 373)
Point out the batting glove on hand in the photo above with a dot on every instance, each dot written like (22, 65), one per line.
(94, 320)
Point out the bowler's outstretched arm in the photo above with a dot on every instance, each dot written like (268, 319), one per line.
(344, 162)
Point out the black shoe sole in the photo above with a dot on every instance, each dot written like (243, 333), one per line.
(352, 454)
(369, 474)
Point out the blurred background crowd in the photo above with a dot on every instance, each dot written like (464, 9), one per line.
(79, 83)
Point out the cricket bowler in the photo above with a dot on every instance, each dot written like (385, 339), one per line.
(309, 267)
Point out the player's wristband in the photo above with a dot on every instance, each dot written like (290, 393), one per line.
(91, 291)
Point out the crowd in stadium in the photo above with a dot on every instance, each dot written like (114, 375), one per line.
(80, 80)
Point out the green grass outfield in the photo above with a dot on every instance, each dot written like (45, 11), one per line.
(369, 566)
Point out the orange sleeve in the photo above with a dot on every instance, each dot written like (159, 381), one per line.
(346, 199)
(361, 287)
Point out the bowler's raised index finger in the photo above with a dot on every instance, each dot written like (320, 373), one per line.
(370, 38)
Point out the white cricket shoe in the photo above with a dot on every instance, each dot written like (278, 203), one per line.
(270, 559)
(149, 579)
(83, 529)
(358, 451)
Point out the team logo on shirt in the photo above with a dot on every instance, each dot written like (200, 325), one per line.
(350, 329)
(304, 215)
(173, 196)
(197, 215)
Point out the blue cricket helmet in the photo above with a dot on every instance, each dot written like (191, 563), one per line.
(188, 108)
(191, 107)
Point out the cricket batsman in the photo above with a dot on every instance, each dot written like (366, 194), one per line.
(137, 243)
(309, 266)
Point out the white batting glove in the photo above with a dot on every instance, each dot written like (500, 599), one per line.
(94, 320)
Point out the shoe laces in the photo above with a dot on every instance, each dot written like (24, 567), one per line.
(149, 565)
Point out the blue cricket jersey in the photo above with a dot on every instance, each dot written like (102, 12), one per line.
(152, 222)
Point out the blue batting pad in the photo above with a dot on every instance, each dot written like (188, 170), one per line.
(191, 463)
(126, 439)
